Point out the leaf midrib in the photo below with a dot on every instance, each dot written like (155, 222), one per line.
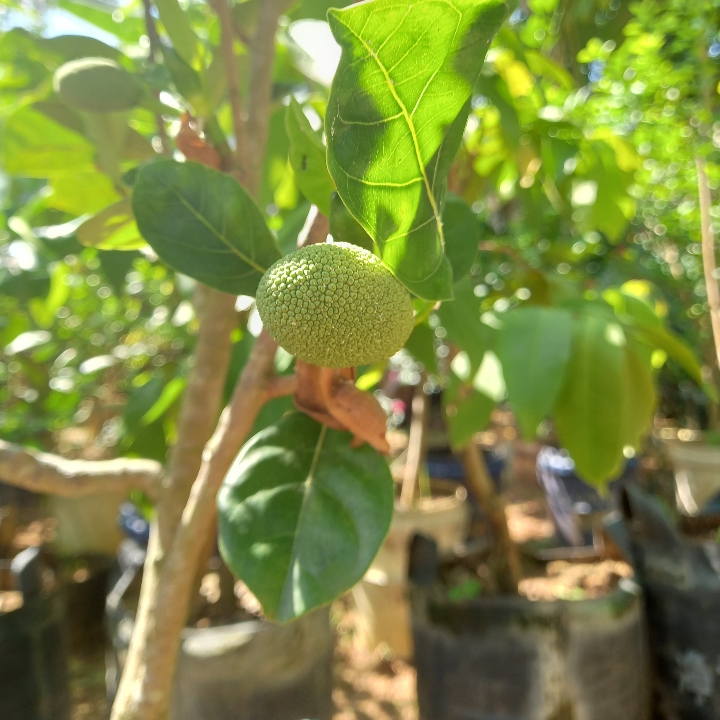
(411, 128)
(217, 234)
(298, 525)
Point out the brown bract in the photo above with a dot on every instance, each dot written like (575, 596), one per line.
(193, 147)
(329, 396)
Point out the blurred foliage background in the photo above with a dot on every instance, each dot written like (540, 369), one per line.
(578, 161)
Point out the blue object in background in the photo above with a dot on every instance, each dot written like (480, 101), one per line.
(571, 498)
(133, 524)
(449, 467)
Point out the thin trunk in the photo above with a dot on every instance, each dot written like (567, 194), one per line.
(708, 253)
(176, 540)
(149, 672)
(505, 556)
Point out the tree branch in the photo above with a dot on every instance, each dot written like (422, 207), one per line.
(222, 9)
(708, 253)
(262, 51)
(53, 475)
(147, 693)
(505, 556)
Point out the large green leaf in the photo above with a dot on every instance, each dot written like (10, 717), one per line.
(33, 145)
(533, 347)
(302, 514)
(394, 121)
(607, 399)
(307, 157)
(202, 223)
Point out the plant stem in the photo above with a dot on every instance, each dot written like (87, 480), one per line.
(708, 253)
(416, 444)
(505, 555)
(222, 9)
(174, 550)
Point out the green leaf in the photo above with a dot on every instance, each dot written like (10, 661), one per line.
(170, 393)
(33, 145)
(462, 236)
(115, 266)
(649, 327)
(345, 228)
(44, 311)
(533, 347)
(421, 345)
(607, 399)
(202, 223)
(461, 320)
(82, 193)
(113, 228)
(467, 411)
(394, 121)
(185, 78)
(302, 515)
(307, 158)
(179, 30)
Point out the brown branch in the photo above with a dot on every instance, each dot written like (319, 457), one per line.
(262, 52)
(222, 9)
(147, 692)
(708, 253)
(280, 386)
(146, 683)
(201, 403)
(505, 556)
(54, 475)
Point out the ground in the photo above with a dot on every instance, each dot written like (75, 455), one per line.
(366, 686)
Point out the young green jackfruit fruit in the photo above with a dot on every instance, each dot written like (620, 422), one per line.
(335, 305)
(97, 85)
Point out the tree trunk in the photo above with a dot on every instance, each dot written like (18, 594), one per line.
(185, 515)
(505, 557)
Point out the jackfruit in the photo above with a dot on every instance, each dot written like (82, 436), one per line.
(335, 305)
(97, 85)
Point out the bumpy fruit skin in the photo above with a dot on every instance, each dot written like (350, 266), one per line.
(97, 85)
(335, 305)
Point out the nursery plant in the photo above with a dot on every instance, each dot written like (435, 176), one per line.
(306, 502)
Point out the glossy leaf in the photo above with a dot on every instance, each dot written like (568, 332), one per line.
(607, 399)
(33, 145)
(533, 347)
(395, 118)
(307, 158)
(202, 223)
(302, 515)
(113, 228)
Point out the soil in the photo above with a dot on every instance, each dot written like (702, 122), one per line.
(368, 686)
